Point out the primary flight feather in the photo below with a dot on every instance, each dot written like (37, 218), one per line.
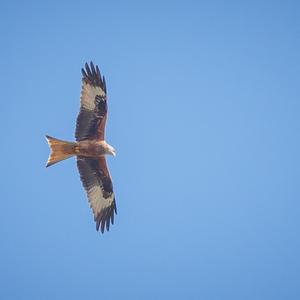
(90, 147)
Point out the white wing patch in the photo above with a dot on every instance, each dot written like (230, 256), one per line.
(88, 95)
(97, 201)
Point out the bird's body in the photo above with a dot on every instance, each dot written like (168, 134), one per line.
(90, 147)
(85, 148)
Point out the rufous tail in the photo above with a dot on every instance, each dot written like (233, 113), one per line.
(59, 150)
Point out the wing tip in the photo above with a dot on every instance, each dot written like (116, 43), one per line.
(105, 218)
(92, 75)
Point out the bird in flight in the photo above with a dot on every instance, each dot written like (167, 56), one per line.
(90, 147)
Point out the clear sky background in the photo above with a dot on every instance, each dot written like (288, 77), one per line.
(204, 106)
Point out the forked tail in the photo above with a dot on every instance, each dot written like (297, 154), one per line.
(59, 150)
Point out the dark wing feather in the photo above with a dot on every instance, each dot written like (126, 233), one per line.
(98, 185)
(93, 105)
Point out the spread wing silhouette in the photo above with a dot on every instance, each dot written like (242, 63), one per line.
(91, 125)
(93, 105)
(98, 185)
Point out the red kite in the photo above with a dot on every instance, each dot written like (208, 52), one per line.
(90, 147)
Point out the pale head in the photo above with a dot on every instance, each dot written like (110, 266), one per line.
(109, 150)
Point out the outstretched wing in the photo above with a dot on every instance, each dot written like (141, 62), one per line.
(93, 106)
(98, 185)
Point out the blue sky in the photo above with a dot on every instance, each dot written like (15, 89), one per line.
(204, 114)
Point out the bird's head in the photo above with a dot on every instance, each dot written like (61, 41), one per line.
(110, 150)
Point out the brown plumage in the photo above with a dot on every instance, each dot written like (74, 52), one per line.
(90, 147)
